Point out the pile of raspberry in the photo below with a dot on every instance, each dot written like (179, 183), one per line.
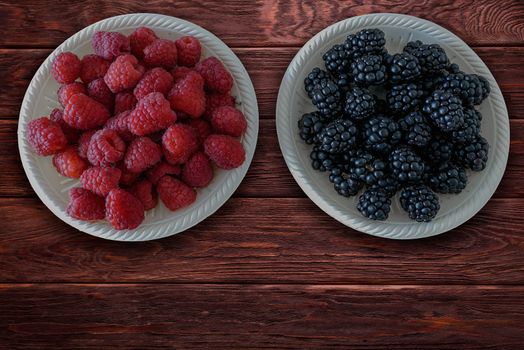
(141, 118)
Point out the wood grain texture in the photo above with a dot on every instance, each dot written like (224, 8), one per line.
(281, 241)
(261, 22)
(260, 317)
(266, 67)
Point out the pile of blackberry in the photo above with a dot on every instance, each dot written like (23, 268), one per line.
(388, 123)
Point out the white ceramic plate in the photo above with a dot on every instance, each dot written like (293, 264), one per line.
(399, 29)
(53, 189)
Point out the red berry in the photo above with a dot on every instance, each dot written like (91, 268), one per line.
(57, 115)
(197, 171)
(84, 113)
(229, 121)
(98, 90)
(180, 73)
(141, 154)
(188, 50)
(93, 67)
(45, 136)
(180, 142)
(118, 123)
(66, 91)
(160, 169)
(152, 113)
(69, 163)
(85, 205)
(216, 76)
(154, 80)
(106, 148)
(145, 192)
(202, 128)
(226, 151)
(124, 101)
(66, 67)
(174, 193)
(124, 73)
(100, 180)
(188, 96)
(139, 39)
(161, 53)
(123, 210)
(83, 142)
(109, 45)
(215, 100)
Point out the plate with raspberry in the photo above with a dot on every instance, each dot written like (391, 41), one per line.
(393, 125)
(138, 127)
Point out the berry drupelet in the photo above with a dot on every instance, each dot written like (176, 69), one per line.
(360, 103)
(406, 166)
(448, 178)
(374, 204)
(338, 136)
(402, 68)
(420, 203)
(416, 130)
(432, 58)
(310, 125)
(404, 97)
(474, 154)
(445, 110)
(380, 134)
(368, 70)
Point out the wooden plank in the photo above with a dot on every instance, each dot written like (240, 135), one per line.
(262, 22)
(260, 317)
(268, 175)
(264, 241)
(266, 67)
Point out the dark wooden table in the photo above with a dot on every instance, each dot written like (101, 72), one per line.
(269, 269)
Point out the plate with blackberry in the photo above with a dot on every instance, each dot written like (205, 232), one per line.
(393, 126)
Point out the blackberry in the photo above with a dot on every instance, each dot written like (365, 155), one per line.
(432, 58)
(406, 166)
(321, 160)
(337, 60)
(314, 79)
(466, 86)
(326, 97)
(439, 150)
(360, 103)
(387, 184)
(416, 131)
(310, 125)
(344, 184)
(368, 70)
(420, 203)
(445, 110)
(367, 168)
(486, 89)
(380, 134)
(374, 204)
(404, 97)
(470, 129)
(338, 136)
(448, 178)
(366, 42)
(474, 154)
(403, 68)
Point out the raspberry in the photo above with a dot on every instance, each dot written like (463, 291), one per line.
(152, 113)
(45, 136)
(161, 53)
(188, 95)
(66, 67)
(57, 115)
(124, 101)
(160, 169)
(123, 210)
(98, 90)
(215, 100)
(109, 45)
(118, 123)
(228, 121)
(82, 112)
(100, 180)
(69, 163)
(106, 148)
(83, 142)
(145, 192)
(154, 80)
(216, 76)
(93, 67)
(197, 171)
(124, 73)
(141, 154)
(85, 205)
(180, 73)
(127, 178)
(188, 50)
(65, 92)
(139, 39)
(226, 151)
(202, 129)
(180, 142)
(174, 193)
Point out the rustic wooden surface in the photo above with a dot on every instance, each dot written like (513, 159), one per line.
(292, 278)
